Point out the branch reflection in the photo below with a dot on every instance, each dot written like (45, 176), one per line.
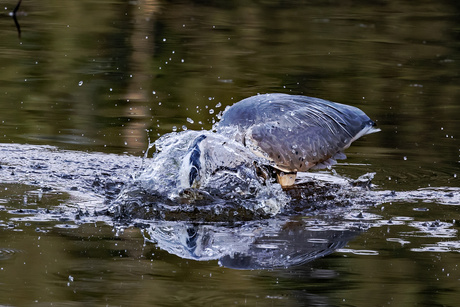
(18, 27)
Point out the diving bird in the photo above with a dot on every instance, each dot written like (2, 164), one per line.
(294, 133)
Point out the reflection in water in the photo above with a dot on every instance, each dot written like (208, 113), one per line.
(18, 27)
(137, 94)
(269, 244)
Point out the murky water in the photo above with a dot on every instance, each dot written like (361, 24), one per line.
(88, 84)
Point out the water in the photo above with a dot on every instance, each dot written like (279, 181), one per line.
(93, 82)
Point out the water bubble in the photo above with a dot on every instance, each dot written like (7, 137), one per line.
(218, 105)
(211, 111)
(405, 158)
(153, 92)
(80, 83)
(184, 127)
(190, 120)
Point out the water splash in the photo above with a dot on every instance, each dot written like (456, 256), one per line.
(226, 177)
(257, 226)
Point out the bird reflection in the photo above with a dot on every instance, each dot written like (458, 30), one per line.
(267, 244)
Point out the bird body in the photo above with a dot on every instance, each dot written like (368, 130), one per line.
(295, 133)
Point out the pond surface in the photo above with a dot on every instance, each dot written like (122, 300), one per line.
(88, 84)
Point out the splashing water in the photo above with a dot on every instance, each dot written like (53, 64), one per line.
(201, 169)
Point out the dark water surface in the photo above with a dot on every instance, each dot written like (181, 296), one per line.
(89, 82)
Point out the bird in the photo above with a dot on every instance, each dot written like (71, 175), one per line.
(294, 133)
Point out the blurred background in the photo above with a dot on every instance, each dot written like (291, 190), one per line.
(107, 75)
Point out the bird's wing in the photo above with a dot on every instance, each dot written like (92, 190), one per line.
(296, 132)
(293, 149)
